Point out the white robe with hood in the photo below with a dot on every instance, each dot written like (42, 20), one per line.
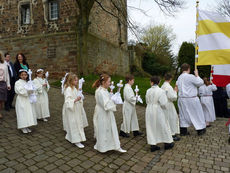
(41, 107)
(23, 107)
(157, 125)
(207, 103)
(74, 116)
(105, 127)
(170, 110)
(190, 109)
(130, 121)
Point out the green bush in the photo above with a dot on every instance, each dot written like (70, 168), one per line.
(204, 71)
(187, 55)
(152, 66)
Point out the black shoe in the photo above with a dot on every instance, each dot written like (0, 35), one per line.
(123, 134)
(7, 109)
(154, 148)
(176, 138)
(208, 126)
(169, 145)
(229, 140)
(184, 131)
(201, 132)
(137, 133)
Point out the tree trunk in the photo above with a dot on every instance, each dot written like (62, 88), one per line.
(83, 23)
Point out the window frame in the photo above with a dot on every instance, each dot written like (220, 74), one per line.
(49, 10)
(22, 10)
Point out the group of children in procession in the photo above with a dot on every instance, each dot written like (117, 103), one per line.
(162, 122)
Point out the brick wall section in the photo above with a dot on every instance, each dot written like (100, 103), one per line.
(106, 26)
(40, 39)
(9, 18)
(36, 49)
(110, 58)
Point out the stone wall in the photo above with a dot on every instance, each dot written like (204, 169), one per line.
(103, 24)
(10, 18)
(53, 52)
(107, 57)
(52, 44)
(57, 53)
(107, 26)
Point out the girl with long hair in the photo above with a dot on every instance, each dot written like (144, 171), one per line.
(206, 92)
(74, 116)
(105, 128)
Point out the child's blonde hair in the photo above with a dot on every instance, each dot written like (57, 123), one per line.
(69, 80)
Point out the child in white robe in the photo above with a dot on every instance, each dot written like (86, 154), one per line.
(190, 109)
(228, 125)
(130, 121)
(157, 125)
(73, 112)
(206, 92)
(105, 128)
(41, 107)
(25, 116)
(170, 110)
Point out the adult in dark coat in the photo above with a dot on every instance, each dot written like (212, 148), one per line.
(220, 102)
(20, 63)
(13, 76)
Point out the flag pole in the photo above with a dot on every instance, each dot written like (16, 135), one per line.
(196, 45)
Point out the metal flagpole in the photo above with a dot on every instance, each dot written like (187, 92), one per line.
(196, 45)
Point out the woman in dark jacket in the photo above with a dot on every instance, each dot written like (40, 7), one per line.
(20, 63)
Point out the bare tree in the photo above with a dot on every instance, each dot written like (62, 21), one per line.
(118, 11)
(224, 7)
(169, 7)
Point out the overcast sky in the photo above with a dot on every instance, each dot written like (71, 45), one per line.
(183, 24)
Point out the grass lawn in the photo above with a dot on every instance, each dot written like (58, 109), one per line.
(143, 84)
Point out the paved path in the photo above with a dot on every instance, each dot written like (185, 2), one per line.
(46, 150)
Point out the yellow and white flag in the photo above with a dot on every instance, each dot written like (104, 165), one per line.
(213, 39)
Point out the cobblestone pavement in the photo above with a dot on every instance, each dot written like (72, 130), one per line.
(46, 150)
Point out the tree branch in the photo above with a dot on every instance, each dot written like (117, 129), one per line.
(223, 8)
(107, 11)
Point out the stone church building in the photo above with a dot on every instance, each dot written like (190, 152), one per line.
(45, 31)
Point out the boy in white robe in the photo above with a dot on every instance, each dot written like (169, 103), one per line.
(206, 92)
(170, 110)
(190, 109)
(157, 125)
(25, 116)
(74, 113)
(105, 128)
(41, 107)
(130, 121)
